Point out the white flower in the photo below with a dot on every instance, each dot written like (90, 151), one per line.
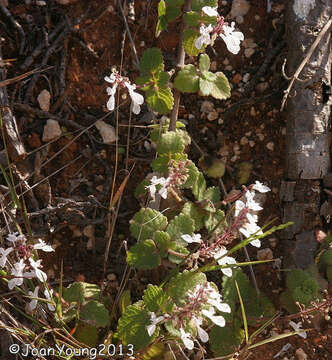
(203, 335)
(185, 337)
(17, 272)
(154, 321)
(232, 38)
(205, 36)
(239, 206)
(216, 319)
(153, 187)
(15, 237)
(258, 186)
(3, 255)
(224, 260)
(195, 238)
(33, 303)
(111, 92)
(297, 327)
(43, 246)
(48, 294)
(251, 203)
(215, 300)
(210, 11)
(136, 98)
(36, 270)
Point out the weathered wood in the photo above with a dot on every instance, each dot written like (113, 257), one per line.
(307, 137)
(16, 148)
(308, 111)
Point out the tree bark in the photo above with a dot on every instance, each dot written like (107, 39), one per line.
(308, 110)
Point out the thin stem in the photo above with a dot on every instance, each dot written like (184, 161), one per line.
(180, 65)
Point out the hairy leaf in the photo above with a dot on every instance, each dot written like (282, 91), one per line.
(195, 213)
(151, 61)
(95, 313)
(144, 255)
(187, 79)
(160, 99)
(225, 340)
(180, 225)
(204, 62)
(146, 222)
(189, 37)
(171, 142)
(156, 299)
(197, 5)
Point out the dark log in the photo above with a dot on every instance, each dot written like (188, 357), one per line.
(308, 110)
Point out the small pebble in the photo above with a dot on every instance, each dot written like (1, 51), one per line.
(252, 143)
(237, 78)
(212, 116)
(270, 146)
(246, 77)
(239, 8)
(257, 17)
(207, 106)
(283, 131)
(265, 254)
(213, 66)
(111, 277)
(226, 61)
(244, 140)
(252, 111)
(260, 136)
(229, 68)
(44, 99)
(300, 354)
(249, 52)
(106, 131)
(239, 19)
(52, 130)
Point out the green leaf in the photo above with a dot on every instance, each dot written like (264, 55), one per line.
(192, 175)
(224, 341)
(204, 62)
(221, 89)
(154, 352)
(155, 298)
(172, 12)
(94, 313)
(160, 164)
(146, 222)
(192, 18)
(187, 79)
(180, 225)
(199, 187)
(151, 61)
(170, 142)
(213, 218)
(243, 313)
(125, 301)
(141, 188)
(180, 284)
(160, 99)
(189, 37)
(205, 87)
(162, 22)
(87, 334)
(142, 80)
(197, 5)
(195, 213)
(162, 78)
(212, 193)
(144, 255)
(174, 258)
(80, 291)
(162, 240)
(132, 327)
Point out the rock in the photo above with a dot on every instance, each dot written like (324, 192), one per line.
(246, 77)
(261, 87)
(270, 146)
(249, 43)
(273, 242)
(260, 136)
(51, 131)
(249, 52)
(237, 78)
(212, 116)
(44, 99)
(106, 131)
(213, 66)
(252, 143)
(229, 67)
(239, 8)
(300, 354)
(207, 106)
(239, 20)
(265, 254)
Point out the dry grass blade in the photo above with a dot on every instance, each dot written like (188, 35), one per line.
(23, 76)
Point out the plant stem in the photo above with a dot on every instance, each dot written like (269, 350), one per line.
(179, 65)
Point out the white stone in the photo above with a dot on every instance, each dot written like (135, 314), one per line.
(44, 100)
(207, 106)
(244, 140)
(270, 146)
(246, 77)
(106, 131)
(51, 131)
(212, 116)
